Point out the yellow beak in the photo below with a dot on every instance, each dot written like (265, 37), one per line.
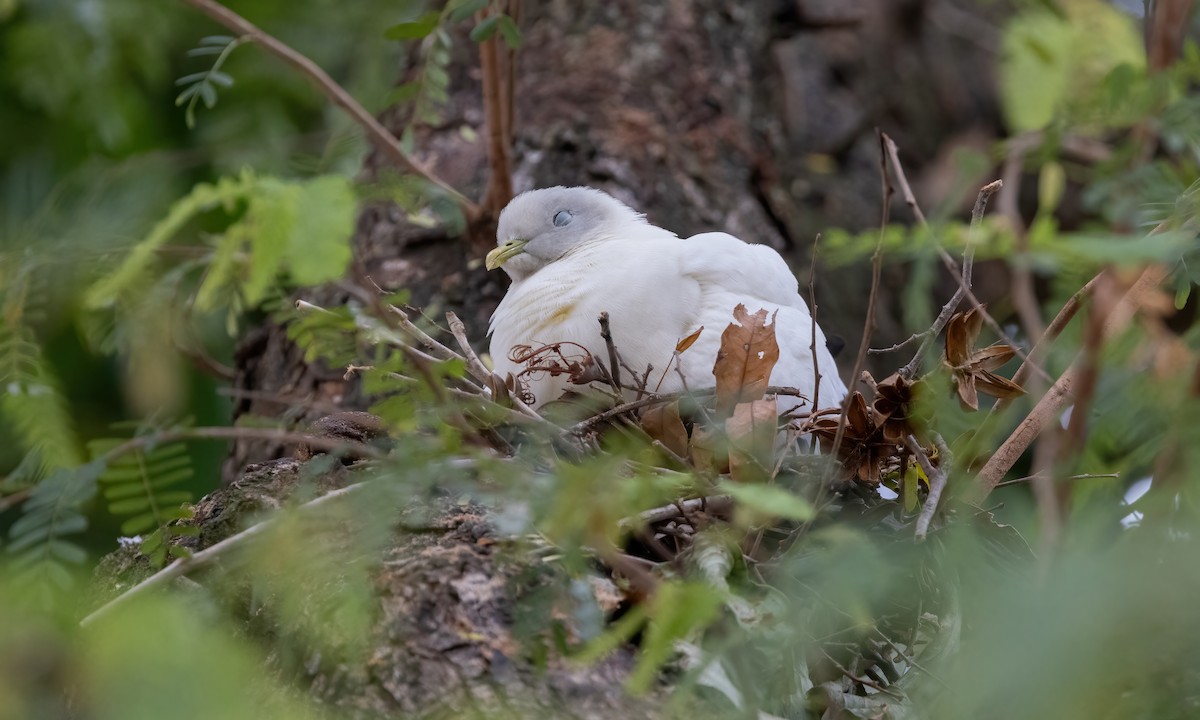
(497, 257)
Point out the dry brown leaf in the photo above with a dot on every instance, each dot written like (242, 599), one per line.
(751, 431)
(687, 342)
(863, 447)
(702, 454)
(663, 423)
(893, 407)
(748, 353)
(971, 368)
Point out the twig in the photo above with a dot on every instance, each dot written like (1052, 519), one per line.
(711, 504)
(329, 444)
(911, 200)
(812, 316)
(1050, 405)
(937, 479)
(910, 660)
(1060, 321)
(1089, 373)
(860, 680)
(910, 370)
(1023, 295)
(1082, 476)
(186, 565)
(585, 425)
(614, 365)
(336, 93)
(475, 366)
(886, 191)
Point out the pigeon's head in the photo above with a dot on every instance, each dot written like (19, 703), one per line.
(541, 226)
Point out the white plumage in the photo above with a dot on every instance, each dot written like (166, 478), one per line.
(575, 252)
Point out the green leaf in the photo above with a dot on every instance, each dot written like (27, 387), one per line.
(768, 500)
(1052, 180)
(270, 219)
(677, 609)
(1054, 63)
(220, 78)
(414, 30)
(462, 9)
(132, 273)
(486, 28)
(319, 247)
(510, 32)
(205, 50)
(403, 93)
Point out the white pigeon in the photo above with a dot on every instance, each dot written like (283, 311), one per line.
(574, 252)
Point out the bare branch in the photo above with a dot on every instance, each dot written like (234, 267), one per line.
(614, 363)
(937, 479)
(375, 130)
(886, 191)
(475, 366)
(1051, 404)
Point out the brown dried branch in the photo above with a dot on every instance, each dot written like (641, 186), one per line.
(886, 191)
(499, 189)
(375, 130)
(599, 418)
(1023, 295)
(910, 370)
(475, 366)
(1048, 408)
(911, 200)
(614, 364)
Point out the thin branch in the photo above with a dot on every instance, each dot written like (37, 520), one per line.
(911, 200)
(375, 130)
(186, 565)
(614, 364)
(1023, 295)
(812, 316)
(586, 425)
(712, 504)
(474, 365)
(1048, 408)
(886, 191)
(910, 370)
(328, 444)
(1081, 476)
(937, 479)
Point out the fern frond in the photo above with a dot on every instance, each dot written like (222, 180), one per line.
(37, 539)
(132, 273)
(32, 402)
(143, 486)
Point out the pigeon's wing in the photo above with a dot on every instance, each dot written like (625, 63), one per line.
(719, 259)
(730, 272)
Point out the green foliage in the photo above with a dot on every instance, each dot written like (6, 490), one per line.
(163, 658)
(142, 486)
(414, 29)
(43, 557)
(1051, 62)
(32, 401)
(301, 228)
(203, 85)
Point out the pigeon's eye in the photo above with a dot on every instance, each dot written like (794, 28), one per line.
(563, 218)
